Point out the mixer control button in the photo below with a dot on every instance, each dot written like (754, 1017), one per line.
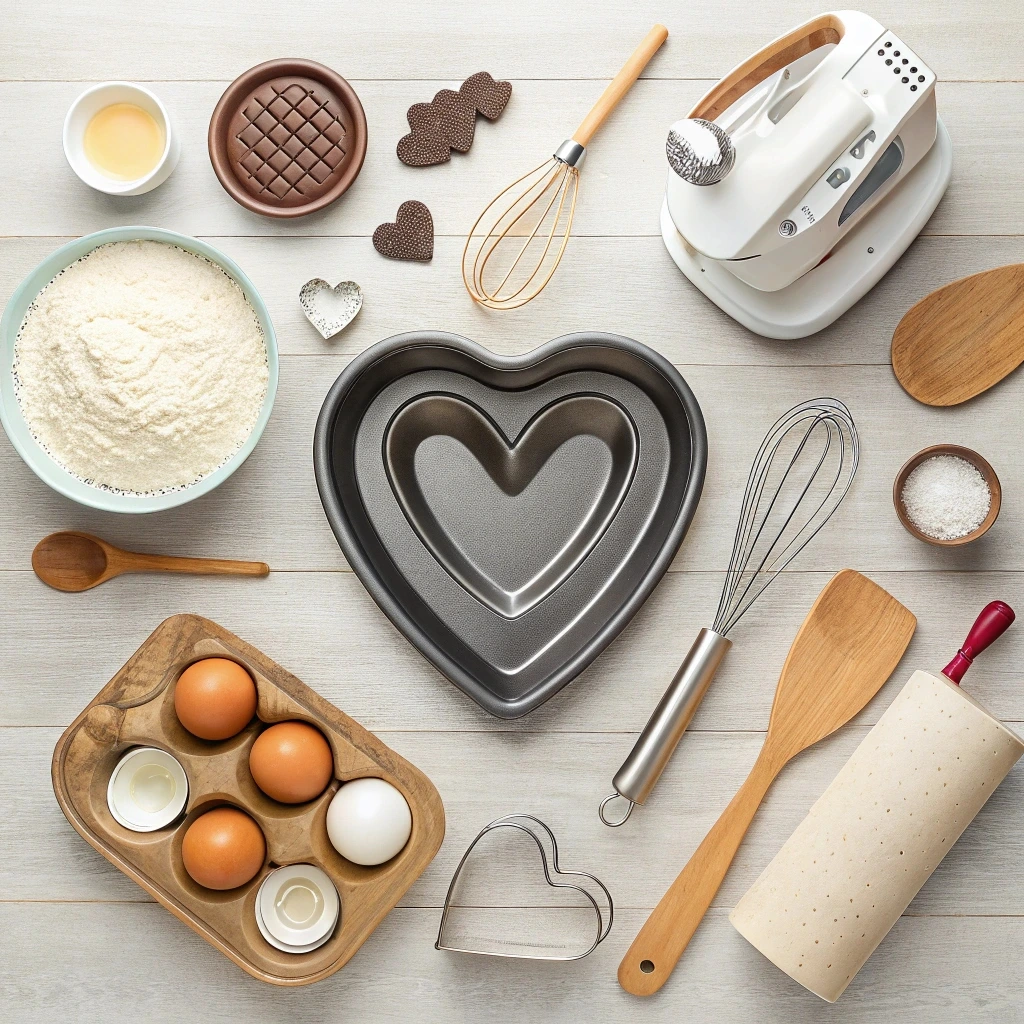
(840, 176)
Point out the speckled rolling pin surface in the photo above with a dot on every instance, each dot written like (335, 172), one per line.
(853, 865)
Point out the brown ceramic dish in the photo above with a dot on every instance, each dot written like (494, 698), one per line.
(287, 138)
(961, 453)
(136, 708)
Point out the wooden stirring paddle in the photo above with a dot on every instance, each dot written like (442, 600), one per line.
(73, 562)
(852, 639)
(963, 338)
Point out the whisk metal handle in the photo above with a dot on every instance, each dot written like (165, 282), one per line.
(621, 84)
(651, 753)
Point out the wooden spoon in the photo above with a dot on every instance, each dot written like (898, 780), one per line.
(73, 562)
(963, 338)
(852, 639)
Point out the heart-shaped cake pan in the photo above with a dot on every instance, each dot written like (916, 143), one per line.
(510, 514)
(330, 309)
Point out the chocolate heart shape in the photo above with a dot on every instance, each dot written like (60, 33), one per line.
(448, 116)
(486, 95)
(330, 309)
(448, 121)
(409, 237)
(514, 466)
(589, 886)
(418, 149)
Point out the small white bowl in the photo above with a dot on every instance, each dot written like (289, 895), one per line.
(147, 790)
(82, 112)
(297, 908)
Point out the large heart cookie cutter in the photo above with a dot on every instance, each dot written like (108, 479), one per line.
(530, 825)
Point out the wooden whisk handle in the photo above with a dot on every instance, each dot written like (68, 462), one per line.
(621, 84)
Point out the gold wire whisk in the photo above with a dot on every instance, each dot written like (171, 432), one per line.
(516, 244)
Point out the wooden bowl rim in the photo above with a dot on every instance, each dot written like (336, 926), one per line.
(967, 454)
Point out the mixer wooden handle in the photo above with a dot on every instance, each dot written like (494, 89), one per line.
(621, 84)
(667, 932)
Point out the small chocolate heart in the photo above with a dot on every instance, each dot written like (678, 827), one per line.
(418, 149)
(328, 309)
(486, 95)
(410, 237)
(449, 116)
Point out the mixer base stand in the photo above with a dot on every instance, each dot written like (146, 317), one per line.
(831, 288)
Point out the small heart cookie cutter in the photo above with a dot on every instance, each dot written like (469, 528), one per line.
(345, 293)
(526, 823)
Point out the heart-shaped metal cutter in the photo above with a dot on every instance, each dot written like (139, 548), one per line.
(526, 823)
(330, 309)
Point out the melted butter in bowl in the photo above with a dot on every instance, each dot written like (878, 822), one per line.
(123, 141)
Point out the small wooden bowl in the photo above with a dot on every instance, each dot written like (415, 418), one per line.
(962, 453)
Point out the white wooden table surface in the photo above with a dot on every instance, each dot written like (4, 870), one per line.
(78, 941)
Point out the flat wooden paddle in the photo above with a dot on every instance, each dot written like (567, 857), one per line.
(72, 562)
(852, 639)
(963, 338)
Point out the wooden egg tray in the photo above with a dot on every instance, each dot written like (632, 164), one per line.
(136, 708)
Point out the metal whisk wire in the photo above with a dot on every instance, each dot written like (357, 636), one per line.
(499, 269)
(502, 227)
(820, 474)
(801, 473)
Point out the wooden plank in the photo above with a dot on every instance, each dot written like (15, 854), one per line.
(625, 285)
(532, 40)
(101, 962)
(351, 654)
(274, 493)
(620, 193)
(561, 779)
(59, 650)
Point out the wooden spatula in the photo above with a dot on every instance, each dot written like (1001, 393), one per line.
(852, 639)
(963, 338)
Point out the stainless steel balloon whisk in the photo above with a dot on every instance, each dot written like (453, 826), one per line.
(801, 473)
(516, 244)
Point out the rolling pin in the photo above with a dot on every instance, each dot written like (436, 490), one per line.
(854, 864)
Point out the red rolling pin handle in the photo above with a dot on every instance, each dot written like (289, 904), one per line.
(992, 623)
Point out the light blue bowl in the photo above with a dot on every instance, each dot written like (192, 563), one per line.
(36, 458)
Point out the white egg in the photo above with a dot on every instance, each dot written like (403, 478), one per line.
(368, 821)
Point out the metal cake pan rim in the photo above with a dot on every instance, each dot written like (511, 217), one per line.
(366, 570)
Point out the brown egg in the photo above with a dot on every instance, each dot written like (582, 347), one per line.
(291, 762)
(223, 848)
(215, 698)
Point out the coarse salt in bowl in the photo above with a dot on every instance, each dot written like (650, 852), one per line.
(20, 434)
(945, 503)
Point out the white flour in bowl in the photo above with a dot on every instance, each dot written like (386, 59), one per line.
(141, 368)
